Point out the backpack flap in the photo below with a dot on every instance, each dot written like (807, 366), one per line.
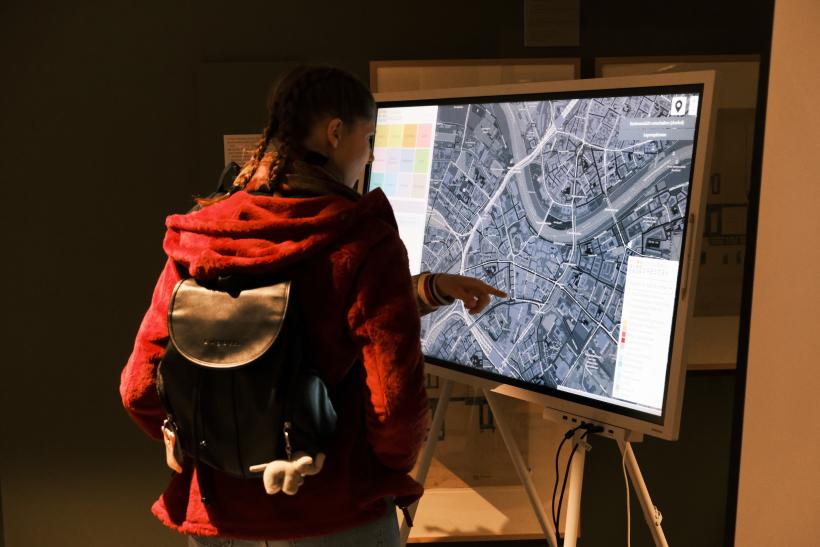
(225, 329)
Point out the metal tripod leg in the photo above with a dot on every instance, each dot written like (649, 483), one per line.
(575, 480)
(521, 468)
(650, 512)
(429, 449)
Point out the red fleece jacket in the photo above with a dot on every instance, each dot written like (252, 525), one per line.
(351, 273)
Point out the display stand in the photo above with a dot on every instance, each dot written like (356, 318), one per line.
(575, 480)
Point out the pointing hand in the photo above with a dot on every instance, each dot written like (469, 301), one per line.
(473, 292)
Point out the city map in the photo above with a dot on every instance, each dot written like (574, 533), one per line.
(547, 200)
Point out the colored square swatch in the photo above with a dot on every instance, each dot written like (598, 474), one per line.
(393, 159)
(405, 184)
(422, 161)
(419, 188)
(408, 157)
(376, 180)
(379, 160)
(390, 183)
(381, 136)
(424, 135)
(409, 140)
(394, 135)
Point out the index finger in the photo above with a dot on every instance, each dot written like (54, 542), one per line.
(492, 290)
(258, 468)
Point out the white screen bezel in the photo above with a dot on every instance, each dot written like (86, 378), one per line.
(673, 397)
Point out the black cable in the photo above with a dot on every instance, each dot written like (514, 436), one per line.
(566, 476)
(555, 483)
(588, 428)
(568, 435)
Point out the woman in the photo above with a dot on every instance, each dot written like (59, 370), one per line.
(292, 209)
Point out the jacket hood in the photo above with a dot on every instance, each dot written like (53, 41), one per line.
(260, 234)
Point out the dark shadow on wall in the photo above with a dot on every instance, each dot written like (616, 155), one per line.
(687, 479)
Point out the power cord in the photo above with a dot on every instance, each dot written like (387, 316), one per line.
(556, 515)
(567, 436)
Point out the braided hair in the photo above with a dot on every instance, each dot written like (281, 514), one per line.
(303, 96)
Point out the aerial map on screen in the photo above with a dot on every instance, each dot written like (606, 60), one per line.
(576, 208)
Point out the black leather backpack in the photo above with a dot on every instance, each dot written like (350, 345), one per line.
(233, 380)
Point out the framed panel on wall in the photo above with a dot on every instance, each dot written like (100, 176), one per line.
(469, 497)
(712, 338)
(386, 76)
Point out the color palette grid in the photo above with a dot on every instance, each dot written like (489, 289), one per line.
(402, 158)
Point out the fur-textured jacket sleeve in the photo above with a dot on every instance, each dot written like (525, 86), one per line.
(384, 322)
(138, 380)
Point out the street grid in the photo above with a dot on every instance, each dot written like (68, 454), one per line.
(545, 201)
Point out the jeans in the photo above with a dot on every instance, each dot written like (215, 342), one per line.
(383, 532)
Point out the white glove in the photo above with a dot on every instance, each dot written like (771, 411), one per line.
(288, 476)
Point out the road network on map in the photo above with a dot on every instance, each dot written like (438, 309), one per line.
(546, 201)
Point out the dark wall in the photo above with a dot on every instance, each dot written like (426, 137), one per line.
(355, 33)
(99, 111)
(98, 118)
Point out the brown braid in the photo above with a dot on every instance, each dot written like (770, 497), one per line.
(252, 164)
(301, 98)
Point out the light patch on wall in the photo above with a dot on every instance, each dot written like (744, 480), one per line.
(238, 148)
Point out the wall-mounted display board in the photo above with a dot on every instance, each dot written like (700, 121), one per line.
(388, 76)
(712, 339)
